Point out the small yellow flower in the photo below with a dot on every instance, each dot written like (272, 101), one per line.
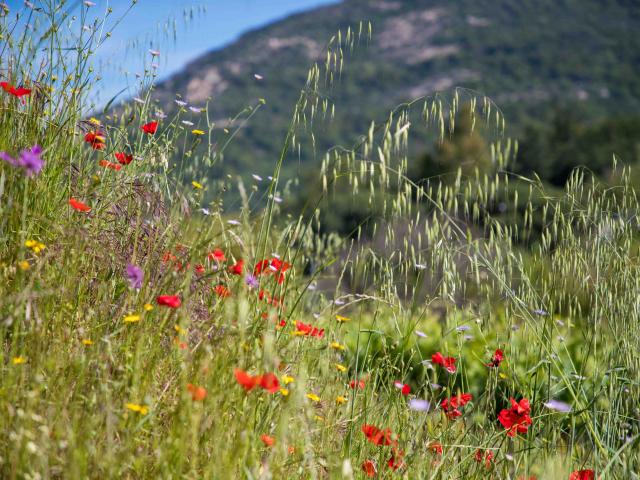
(313, 397)
(341, 368)
(18, 360)
(24, 265)
(287, 379)
(131, 318)
(35, 246)
(284, 392)
(340, 400)
(87, 341)
(148, 307)
(298, 333)
(134, 407)
(197, 132)
(502, 375)
(95, 121)
(337, 346)
(95, 178)
(197, 185)
(342, 319)
(180, 330)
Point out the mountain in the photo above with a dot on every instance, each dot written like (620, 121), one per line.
(529, 56)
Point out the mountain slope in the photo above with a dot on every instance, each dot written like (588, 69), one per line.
(529, 56)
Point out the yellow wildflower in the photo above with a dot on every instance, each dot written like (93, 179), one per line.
(95, 121)
(24, 265)
(313, 397)
(287, 379)
(196, 185)
(340, 400)
(342, 319)
(87, 341)
(284, 392)
(148, 307)
(180, 330)
(337, 346)
(35, 246)
(134, 407)
(340, 368)
(18, 360)
(197, 132)
(131, 318)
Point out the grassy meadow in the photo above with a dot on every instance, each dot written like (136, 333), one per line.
(156, 324)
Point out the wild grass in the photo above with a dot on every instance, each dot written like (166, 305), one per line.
(95, 374)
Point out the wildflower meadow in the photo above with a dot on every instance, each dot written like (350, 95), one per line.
(158, 324)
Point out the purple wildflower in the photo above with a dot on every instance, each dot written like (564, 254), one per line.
(251, 281)
(558, 406)
(135, 276)
(419, 405)
(29, 160)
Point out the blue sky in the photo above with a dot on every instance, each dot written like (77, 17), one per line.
(180, 29)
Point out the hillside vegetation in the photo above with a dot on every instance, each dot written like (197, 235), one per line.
(156, 324)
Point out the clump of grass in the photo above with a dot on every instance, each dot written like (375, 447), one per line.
(101, 377)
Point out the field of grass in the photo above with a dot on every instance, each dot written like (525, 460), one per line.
(148, 335)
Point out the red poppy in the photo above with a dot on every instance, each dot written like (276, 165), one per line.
(497, 358)
(269, 382)
(248, 382)
(171, 301)
(150, 128)
(111, 165)
(395, 461)
(451, 405)
(377, 436)
(197, 393)
(359, 384)
(582, 475)
(275, 266)
(16, 92)
(267, 440)
(200, 269)
(369, 468)
(448, 363)
(222, 291)
(217, 255)
(95, 139)
(484, 456)
(168, 257)
(236, 268)
(79, 206)
(516, 419)
(309, 330)
(123, 158)
(435, 447)
(404, 388)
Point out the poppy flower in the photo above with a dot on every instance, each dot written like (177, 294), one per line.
(497, 358)
(451, 405)
(395, 462)
(273, 266)
(376, 435)
(404, 388)
(582, 475)
(16, 92)
(516, 419)
(217, 255)
(171, 301)
(199, 268)
(95, 139)
(79, 206)
(269, 382)
(113, 166)
(448, 363)
(248, 382)
(435, 447)
(123, 158)
(236, 268)
(308, 330)
(150, 128)
(222, 291)
(359, 384)
(484, 456)
(197, 393)
(267, 440)
(369, 468)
